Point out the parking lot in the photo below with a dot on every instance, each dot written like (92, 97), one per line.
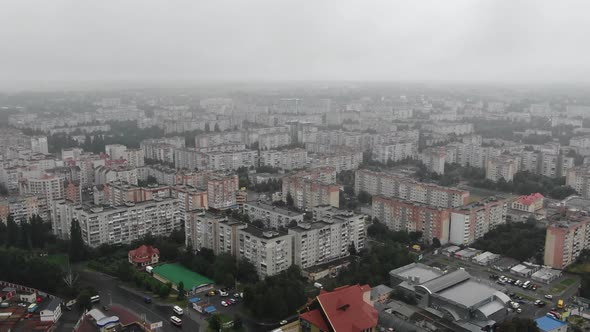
(564, 287)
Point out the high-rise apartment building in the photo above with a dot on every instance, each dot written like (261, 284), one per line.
(285, 159)
(566, 238)
(221, 191)
(399, 186)
(501, 167)
(474, 220)
(434, 160)
(401, 215)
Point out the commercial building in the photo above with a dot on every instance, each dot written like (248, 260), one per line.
(474, 220)
(346, 308)
(457, 297)
(566, 237)
(402, 215)
(272, 216)
(399, 186)
(285, 159)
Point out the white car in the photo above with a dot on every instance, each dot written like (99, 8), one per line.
(283, 322)
(549, 297)
(225, 304)
(519, 310)
(178, 310)
(222, 293)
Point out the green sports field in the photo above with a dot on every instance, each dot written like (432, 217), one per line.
(176, 273)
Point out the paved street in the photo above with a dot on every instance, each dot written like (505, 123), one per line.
(110, 291)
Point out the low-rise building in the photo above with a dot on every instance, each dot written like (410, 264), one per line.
(143, 256)
(528, 203)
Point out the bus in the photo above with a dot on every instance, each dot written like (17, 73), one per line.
(560, 304)
(95, 298)
(175, 320)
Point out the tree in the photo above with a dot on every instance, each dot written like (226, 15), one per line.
(436, 242)
(247, 272)
(237, 322)
(215, 322)
(207, 127)
(364, 197)
(258, 223)
(181, 291)
(164, 291)
(77, 249)
(83, 300)
(289, 200)
(24, 236)
(3, 234)
(415, 236)
(216, 128)
(517, 324)
(11, 232)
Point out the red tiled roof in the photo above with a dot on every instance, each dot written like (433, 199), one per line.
(143, 253)
(346, 310)
(315, 317)
(530, 199)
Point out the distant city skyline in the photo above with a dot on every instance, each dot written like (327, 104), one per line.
(457, 41)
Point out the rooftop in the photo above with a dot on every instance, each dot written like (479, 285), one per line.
(548, 324)
(468, 293)
(423, 273)
(346, 310)
(272, 208)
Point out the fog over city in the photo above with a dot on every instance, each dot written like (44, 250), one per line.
(294, 166)
(499, 41)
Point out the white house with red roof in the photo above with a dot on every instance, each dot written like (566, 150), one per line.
(528, 203)
(144, 256)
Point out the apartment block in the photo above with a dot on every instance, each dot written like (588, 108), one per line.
(326, 240)
(342, 160)
(39, 144)
(401, 215)
(232, 160)
(399, 186)
(135, 157)
(50, 187)
(566, 238)
(307, 193)
(501, 167)
(579, 179)
(221, 191)
(190, 159)
(163, 174)
(118, 225)
(394, 151)
(284, 159)
(474, 220)
(434, 159)
(120, 193)
(22, 208)
(271, 252)
(273, 217)
(107, 174)
(115, 151)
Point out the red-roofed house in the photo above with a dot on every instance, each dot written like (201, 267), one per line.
(345, 309)
(528, 203)
(144, 255)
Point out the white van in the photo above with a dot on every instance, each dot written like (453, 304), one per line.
(95, 298)
(178, 310)
(526, 284)
(175, 320)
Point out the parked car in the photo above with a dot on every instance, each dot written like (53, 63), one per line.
(225, 304)
(549, 297)
(211, 293)
(233, 301)
(283, 322)
(28, 315)
(519, 310)
(147, 299)
(223, 293)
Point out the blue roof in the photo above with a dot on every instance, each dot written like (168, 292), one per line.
(195, 300)
(548, 324)
(210, 309)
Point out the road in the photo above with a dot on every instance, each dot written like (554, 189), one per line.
(111, 292)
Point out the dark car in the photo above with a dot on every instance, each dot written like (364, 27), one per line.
(147, 299)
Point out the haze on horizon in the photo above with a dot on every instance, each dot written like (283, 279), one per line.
(463, 40)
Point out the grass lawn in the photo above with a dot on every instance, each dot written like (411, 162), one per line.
(59, 259)
(568, 282)
(224, 319)
(474, 198)
(528, 298)
(579, 268)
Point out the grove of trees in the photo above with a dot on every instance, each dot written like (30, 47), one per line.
(520, 241)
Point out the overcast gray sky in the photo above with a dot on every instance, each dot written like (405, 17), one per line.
(496, 40)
